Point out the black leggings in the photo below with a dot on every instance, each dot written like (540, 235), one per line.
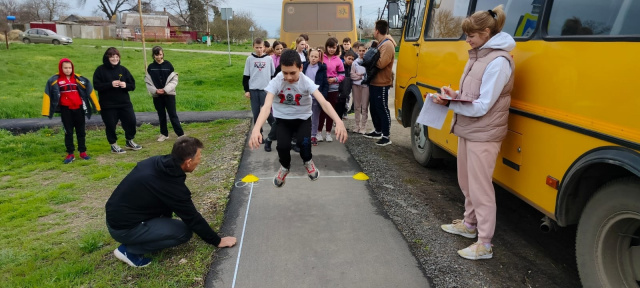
(168, 103)
(127, 117)
(286, 129)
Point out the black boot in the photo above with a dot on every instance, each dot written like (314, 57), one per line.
(267, 145)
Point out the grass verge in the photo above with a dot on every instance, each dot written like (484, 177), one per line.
(53, 232)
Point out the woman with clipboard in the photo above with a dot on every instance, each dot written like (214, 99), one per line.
(480, 125)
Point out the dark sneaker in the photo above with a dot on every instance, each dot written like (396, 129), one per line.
(279, 180)
(134, 260)
(295, 148)
(314, 141)
(373, 135)
(116, 149)
(132, 145)
(384, 141)
(69, 159)
(312, 171)
(84, 156)
(267, 145)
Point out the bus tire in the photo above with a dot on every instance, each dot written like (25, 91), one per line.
(424, 155)
(608, 237)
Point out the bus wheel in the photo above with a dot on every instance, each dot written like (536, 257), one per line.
(420, 144)
(608, 238)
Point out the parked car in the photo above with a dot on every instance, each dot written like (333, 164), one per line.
(38, 35)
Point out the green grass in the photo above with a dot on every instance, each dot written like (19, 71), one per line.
(207, 82)
(53, 232)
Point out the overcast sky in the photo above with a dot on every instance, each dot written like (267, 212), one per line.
(265, 12)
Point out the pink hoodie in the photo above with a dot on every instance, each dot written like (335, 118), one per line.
(334, 66)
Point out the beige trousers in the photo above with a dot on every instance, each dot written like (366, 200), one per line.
(361, 106)
(476, 162)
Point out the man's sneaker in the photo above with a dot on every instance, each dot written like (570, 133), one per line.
(84, 155)
(279, 180)
(134, 260)
(373, 135)
(319, 137)
(161, 138)
(69, 158)
(328, 138)
(458, 228)
(476, 251)
(116, 149)
(312, 171)
(384, 141)
(267, 145)
(132, 145)
(314, 141)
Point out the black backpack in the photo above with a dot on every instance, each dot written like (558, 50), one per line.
(369, 61)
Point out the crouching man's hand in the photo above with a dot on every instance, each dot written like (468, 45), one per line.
(227, 242)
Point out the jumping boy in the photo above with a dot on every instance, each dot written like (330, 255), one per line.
(258, 70)
(292, 109)
(73, 97)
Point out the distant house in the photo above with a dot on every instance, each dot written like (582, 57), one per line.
(157, 26)
(85, 20)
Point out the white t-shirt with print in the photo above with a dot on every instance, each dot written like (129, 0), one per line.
(292, 100)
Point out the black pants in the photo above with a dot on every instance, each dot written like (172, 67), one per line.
(153, 235)
(286, 129)
(341, 107)
(166, 104)
(127, 117)
(257, 98)
(73, 119)
(379, 99)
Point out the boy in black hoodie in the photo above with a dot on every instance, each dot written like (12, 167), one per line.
(113, 83)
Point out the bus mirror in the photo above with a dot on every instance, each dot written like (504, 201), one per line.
(393, 17)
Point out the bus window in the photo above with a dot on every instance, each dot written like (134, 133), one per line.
(311, 17)
(414, 23)
(594, 17)
(445, 20)
(522, 16)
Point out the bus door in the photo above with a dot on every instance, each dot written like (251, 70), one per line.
(410, 44)
(443, 55)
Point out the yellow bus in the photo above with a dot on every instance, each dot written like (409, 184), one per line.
(574, 129)
(318, 19)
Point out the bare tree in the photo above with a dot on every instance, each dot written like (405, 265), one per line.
(53, 8)
(193, 12)
(238, 27)
(111, 7)
(445, 25)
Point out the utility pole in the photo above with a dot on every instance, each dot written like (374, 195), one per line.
(144, 49)
(360, 24)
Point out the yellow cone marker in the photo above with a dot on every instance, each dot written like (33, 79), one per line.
(361, 176)
(250, 178)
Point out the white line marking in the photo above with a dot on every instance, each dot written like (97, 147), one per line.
(246, 215)
(305, 177)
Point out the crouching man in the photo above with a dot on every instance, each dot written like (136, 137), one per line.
(139, 212)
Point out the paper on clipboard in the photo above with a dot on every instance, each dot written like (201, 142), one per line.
(432, 114)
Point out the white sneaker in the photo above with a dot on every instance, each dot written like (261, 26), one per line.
(319, 137)
(161, 138)
(476, 251)
(458, 228)
(328, 138)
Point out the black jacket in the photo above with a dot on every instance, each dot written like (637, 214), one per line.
(321, 78)
(156, 188)
(109, 96)
(345, 86)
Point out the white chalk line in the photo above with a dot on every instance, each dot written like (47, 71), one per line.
(246, 215)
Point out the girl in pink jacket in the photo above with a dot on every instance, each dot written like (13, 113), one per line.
(335, 75)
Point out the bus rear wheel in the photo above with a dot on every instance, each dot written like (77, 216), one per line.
(421, 146)
(608, 238)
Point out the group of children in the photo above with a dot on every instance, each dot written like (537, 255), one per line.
(73, 96)
(336, 69)
(300, 87)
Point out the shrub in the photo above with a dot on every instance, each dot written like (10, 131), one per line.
(14, 35)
